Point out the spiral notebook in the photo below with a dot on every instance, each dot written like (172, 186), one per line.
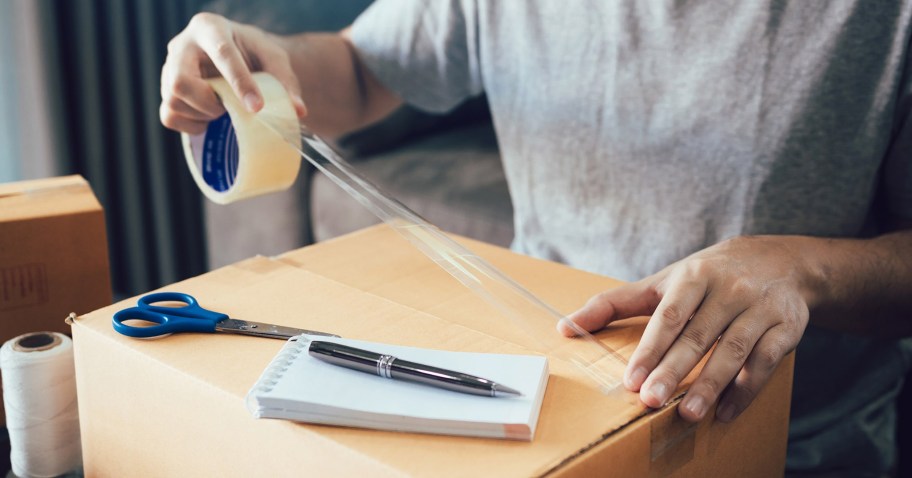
(298, 387)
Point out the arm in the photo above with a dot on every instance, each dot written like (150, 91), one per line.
(754, 296)
(865, 286)
(342, 95)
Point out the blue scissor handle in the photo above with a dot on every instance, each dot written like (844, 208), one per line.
(191, 308)
(187, 318)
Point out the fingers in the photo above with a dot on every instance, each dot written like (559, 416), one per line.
(685, 293)
(215, 38)
(745, 290)
(689, 347)
(772, 347)
(177, 122)
(274, 59)
(194, 99)
(188, 103)
(629, 300)
(723, 365)
(182, 78)
(211, 44)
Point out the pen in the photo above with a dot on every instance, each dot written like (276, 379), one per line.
(387, 366)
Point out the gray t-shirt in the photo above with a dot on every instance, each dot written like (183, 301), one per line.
(635, 133)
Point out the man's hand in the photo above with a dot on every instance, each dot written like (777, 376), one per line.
(750, 294)
(342, 94)
(211, 46)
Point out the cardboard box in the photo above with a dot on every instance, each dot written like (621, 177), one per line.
(174, 406)
(53, 255)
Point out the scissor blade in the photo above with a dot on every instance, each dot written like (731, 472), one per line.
(259, 329)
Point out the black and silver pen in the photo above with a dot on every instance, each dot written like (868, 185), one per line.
(388, 366)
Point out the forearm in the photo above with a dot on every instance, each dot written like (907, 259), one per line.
(861, 286)
(340, 92)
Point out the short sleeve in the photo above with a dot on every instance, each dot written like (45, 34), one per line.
(897, 167)
(426, 51)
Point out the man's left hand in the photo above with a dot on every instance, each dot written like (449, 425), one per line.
(749, 294)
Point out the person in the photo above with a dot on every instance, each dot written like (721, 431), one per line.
(747, 165)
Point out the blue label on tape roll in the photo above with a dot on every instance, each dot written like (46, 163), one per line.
(220, 154)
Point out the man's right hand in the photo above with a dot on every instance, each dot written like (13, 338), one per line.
(210, 46)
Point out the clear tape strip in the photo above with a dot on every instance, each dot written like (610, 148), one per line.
(600, 362)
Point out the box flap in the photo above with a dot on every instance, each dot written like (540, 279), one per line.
(42, 198)
(366, 260)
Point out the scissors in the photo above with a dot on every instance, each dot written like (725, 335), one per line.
(190, 317)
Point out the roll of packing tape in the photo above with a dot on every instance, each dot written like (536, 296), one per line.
(243, 154)
(39, 395)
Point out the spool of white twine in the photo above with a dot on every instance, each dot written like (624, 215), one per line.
(39, 394)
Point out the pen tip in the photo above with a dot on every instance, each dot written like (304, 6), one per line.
(504, 391)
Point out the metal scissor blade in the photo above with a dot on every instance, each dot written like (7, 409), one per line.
(259, 329)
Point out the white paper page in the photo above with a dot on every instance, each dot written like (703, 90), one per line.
(311, 381)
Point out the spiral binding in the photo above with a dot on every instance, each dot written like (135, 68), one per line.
(281, 362)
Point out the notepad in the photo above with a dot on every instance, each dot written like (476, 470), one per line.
(298, 387)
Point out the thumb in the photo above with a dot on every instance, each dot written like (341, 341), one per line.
(629, 300)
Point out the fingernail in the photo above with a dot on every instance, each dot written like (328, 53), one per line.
(726, 412)
(695, 405)
(635, 379)
(657, 391)
(252, 102)
(302, 105)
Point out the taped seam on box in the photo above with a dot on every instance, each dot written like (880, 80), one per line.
(414, 310)
(248, 271)
(77, 185)
(554, 353)
(671, 441)
(261, 264)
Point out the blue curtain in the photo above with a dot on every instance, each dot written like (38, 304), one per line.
(104, 63)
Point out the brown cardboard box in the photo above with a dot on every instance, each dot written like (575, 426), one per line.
(174, 406)
(53, 255)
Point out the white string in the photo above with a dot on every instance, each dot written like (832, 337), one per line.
(39, 394)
